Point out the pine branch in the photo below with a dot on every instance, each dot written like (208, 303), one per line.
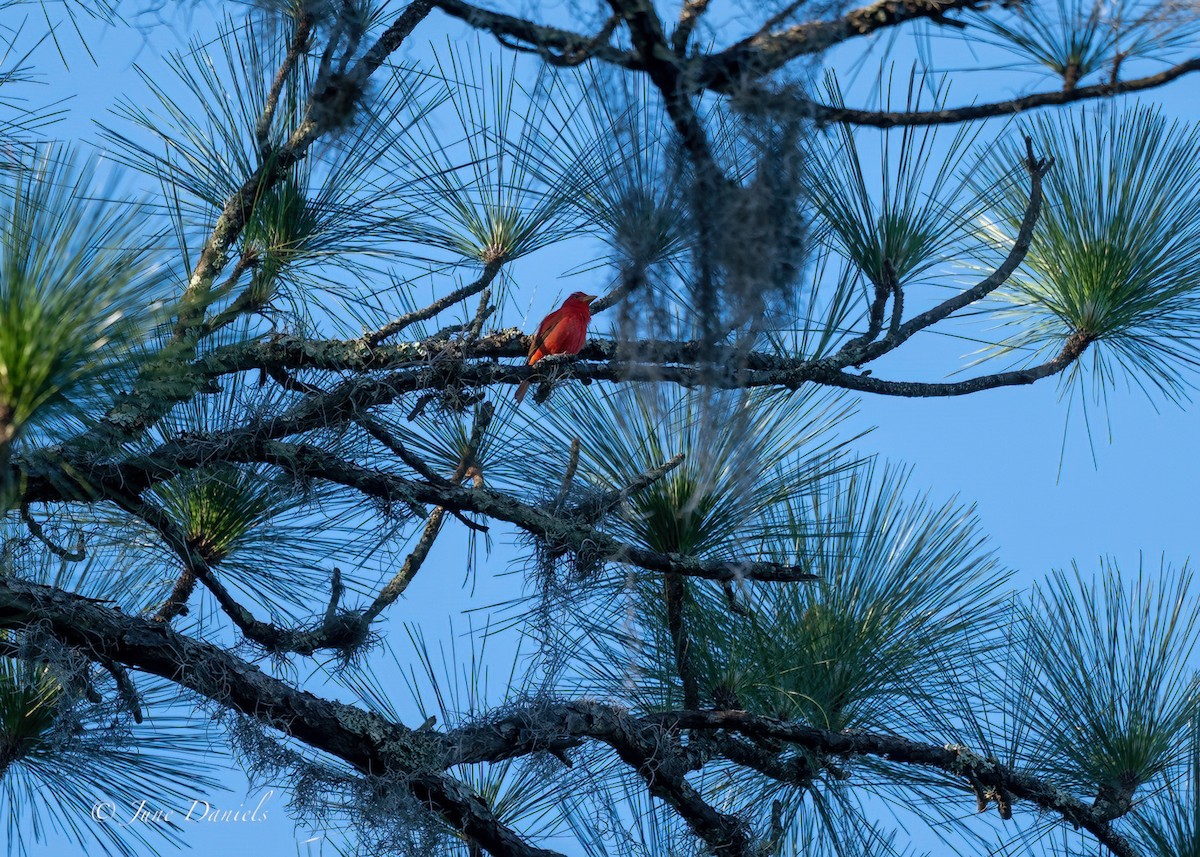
(369, 743)
(556, 46)
(757, 99)
(490, 270)
(532, 730)
(146, 404)
(764, 53)
(255, 444)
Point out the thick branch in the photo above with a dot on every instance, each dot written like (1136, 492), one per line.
(664, 67)
(764, 53)
(543, 727)
(372, 745)
(689, 16)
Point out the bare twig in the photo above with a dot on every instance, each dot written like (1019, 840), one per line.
(568, 475)
(262, 128)
(35, 529)
(490, 270)
(412, 563)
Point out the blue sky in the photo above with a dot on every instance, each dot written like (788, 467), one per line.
(1012, 452)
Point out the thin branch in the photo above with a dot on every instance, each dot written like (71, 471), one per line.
(482, 313)
(146, 404)
(861, 350)
(758, 99)
(408, 570)
(339, 631)
(874, 320)
(1072, 350)
(675, 595)
(262, 128)
(557, 46)
(196, 568)
(335, 631)
(412, 563)
(247, 260)
(596, 509)
(664, 67)
(490, 270)
(632, 278)
(318, 463)
(381, 434)
(125, 687)
(568, 475)
(336, 590)
(35, 529)
(1037, 169)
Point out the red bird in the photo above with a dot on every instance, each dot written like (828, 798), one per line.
(562, 332)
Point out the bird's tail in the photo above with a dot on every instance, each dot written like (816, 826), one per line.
(522, 390)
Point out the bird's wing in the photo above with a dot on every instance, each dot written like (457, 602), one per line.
(549, 323)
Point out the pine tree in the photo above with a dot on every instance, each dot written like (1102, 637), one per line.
(258, 350)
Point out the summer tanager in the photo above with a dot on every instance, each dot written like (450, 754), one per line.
(562, 332)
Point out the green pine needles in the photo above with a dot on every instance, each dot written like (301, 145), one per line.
(77, 286)
(1116, 256)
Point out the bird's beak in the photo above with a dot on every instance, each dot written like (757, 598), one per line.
(589, 298)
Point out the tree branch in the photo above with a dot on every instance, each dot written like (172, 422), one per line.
(149, 400)
(757, 99)
(1074, 347)
(490, 270)
(372, 745)
(951, 759)
(556, 46)
(540, 727)
(765, 53)
(861, 349)
(412, 563)
(315, 462)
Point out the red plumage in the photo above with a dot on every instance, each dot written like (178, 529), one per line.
(563, 331)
